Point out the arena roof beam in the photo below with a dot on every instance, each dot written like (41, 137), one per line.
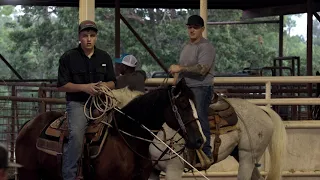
(117, 29)
(278, 10)
(193, 4)
(317, 16)
(243, 22)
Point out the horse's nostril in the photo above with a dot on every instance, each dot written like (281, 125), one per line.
(199, 141)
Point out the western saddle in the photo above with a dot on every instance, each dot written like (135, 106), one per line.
(55, 135)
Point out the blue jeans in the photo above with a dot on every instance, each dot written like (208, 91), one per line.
(203, 95)
(77, 124)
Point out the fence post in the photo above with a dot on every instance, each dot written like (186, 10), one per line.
(268, 93)
(42, 94)
(14, 107)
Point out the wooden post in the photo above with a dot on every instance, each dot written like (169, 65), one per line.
(268, 93)
(86, 10)
(42, 94)
(309, 38)
(117, 28)
(309, 49)
(204, 15)
(281, 21)
(14, 108)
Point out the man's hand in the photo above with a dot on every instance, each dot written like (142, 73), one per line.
(109, 84)
(90, 88)
(175, 69)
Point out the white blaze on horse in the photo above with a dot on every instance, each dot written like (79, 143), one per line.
(256, 129)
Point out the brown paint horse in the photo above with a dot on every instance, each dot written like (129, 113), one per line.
(117, 160)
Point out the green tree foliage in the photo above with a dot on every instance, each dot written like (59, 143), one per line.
(33, 38)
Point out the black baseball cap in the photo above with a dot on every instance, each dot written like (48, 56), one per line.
(87, 24)
(4, 160)
(195, 20)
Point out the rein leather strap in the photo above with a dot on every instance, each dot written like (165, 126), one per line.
(176, 113)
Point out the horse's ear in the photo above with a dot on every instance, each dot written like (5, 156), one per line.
(183, 82)
(180, 86)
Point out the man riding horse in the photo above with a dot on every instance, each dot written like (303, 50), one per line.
(80, 70)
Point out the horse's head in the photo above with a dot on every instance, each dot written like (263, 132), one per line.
(182, 115)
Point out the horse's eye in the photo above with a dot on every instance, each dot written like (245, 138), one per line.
(183, 103)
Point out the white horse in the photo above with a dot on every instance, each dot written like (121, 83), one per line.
(258, 128)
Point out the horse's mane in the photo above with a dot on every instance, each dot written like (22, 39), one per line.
(151, 97)
(125, 95)
(148, 107)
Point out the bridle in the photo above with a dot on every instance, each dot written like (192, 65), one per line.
(182, 125)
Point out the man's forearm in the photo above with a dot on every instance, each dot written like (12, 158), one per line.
(110, 84)
(71, 87)
(198, 68)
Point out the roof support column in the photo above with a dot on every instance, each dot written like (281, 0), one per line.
(309, 36)
(280, 37)
(309, 49)
(117, 28)
(204, 15)
(86, 10)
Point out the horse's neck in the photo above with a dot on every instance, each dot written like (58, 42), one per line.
(149, 113)
(152, 121)
(171, 133)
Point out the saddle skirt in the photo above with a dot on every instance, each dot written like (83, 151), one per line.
(221, 113)
(55, 135)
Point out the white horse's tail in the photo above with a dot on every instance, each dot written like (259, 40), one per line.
(277, 147)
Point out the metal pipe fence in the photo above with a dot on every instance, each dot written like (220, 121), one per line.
(23, 101)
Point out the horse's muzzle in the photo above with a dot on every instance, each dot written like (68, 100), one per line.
(195, 144)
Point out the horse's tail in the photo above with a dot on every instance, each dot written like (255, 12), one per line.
(277, 147)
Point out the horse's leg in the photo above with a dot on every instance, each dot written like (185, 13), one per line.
(246, 165)
(155, 175)
(143, 169)
(26, 174)
(25, 154)
(256, 174)
(116, 165)
(174, 169)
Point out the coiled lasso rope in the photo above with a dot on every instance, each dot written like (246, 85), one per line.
(103, 101)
